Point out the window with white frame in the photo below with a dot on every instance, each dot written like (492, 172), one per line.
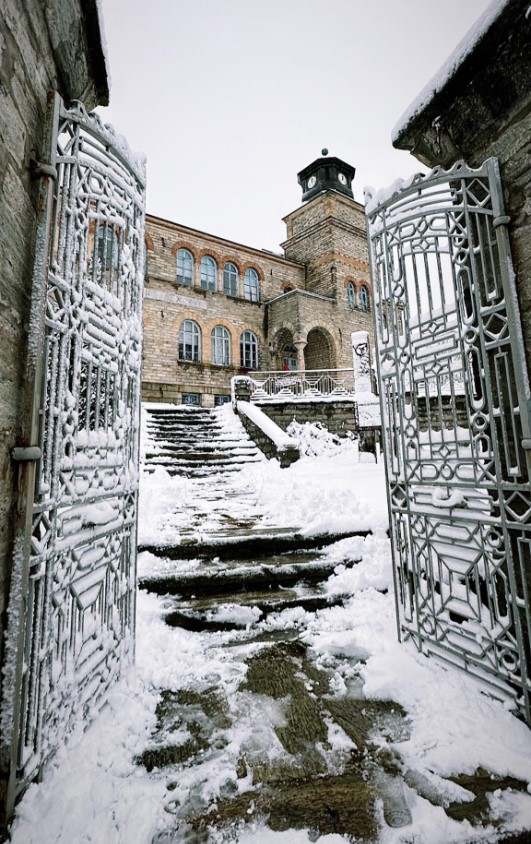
(106, 247)
(351, 295)
(220, 346)
(185, 267)
(189, 341)
(191, 398)
(230, 279)
(364, 298)
(251, 285)
(208, 273)
(249, 350)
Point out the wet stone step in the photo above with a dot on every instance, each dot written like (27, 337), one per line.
(260, 544)
(215, 615)
(234, 578)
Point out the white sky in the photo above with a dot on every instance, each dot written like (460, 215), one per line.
(229, 99)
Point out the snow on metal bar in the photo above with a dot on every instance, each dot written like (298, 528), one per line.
(454, 405)
(80, 608)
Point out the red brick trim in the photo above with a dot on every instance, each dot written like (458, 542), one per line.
(183, 245)
(226, 259)
(208, 253)
(250, 266)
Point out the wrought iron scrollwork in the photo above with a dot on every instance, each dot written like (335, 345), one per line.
(79, 629)
(455, 415)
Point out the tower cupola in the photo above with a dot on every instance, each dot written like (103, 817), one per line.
(326, 174)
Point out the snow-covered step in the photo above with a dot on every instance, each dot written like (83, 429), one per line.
(233, 576)
(194, 443)
(215, 613)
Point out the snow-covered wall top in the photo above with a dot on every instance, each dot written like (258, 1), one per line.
(465, 47)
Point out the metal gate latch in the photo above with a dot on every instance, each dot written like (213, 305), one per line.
(26, 454)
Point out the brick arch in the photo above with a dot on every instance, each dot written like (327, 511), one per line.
(350, 280)
(250, 266)
(369, 292)
(259, 334)
(320, 351)
(325, 326)
(256, 329)
(285, 336)
(219, 321)
(187, 314)
(226, 259)
(284, 326)
(149, 242)
(183, 245)
(207, 337)
(177, 324)
(208, 253)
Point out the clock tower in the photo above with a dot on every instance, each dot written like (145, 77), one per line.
(326, 174)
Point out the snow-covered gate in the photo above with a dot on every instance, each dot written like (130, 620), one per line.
(75, 571)
(455, 412)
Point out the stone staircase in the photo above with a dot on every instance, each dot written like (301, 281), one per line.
(194, 442)
(260, 714)
(218, 592)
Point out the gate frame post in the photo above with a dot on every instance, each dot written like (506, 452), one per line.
(26, 474)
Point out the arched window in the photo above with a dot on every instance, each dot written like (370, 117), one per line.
(251, 285)
(106, 248)
(190, 341)
(289, 358)
(364, 298)
(185, 267)
(249, 350)
(230, 279)
(351, 295)
(220, 346)
(208, 273)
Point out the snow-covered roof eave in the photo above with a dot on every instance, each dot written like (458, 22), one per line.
(402, 130)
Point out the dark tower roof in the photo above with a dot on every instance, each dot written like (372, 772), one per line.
(326, 174)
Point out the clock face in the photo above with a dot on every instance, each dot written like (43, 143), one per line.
(311, 181)
(342, 178)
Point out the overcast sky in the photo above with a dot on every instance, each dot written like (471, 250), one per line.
(229, 99)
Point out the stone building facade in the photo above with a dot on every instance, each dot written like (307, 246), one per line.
(214, 308)
(44, 46)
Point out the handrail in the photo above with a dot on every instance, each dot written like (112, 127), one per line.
(307, 383)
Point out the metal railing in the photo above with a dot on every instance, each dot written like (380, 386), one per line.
(302, 384)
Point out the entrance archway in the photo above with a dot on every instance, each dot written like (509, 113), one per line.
(319, 353)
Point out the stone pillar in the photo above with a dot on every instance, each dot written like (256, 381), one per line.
(362, 364)
(300, 345)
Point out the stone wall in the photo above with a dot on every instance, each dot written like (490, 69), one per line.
(483, 110)
(304, 294)
(285, 456)
(337, 417)
(329, 234)
(44, 46)
(167, 304)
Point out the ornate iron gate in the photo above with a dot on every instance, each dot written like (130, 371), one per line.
(455, 408)
(77, 624)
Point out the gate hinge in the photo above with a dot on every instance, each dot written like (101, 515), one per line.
(39, 168)
(26, 454)
(502, 220)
